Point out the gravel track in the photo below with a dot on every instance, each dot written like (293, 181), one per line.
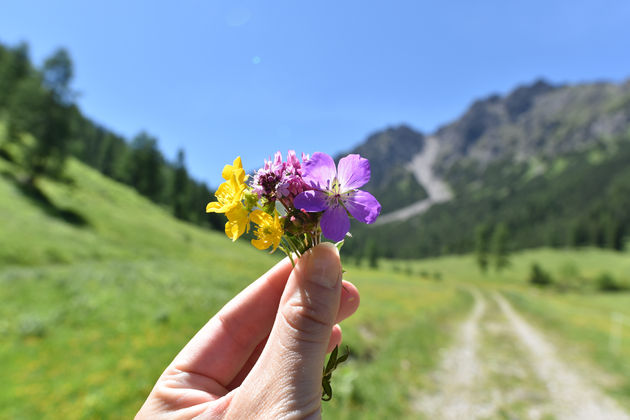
(572, 395)
(458, 373)
(499, 366)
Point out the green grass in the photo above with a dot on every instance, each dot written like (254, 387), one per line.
(93, 313)
(578, 319)
(402, 323)
(581, 326)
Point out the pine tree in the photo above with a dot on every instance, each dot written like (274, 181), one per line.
(371, 252)
(181, 198)
(145, 166)
(482, 246)
(41, 107)
(500, 252)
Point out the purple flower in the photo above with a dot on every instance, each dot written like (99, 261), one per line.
(291, 183)
(278, 179)
(335, 193)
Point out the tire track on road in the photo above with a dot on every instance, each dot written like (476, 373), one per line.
(572, 396)
(458, 374)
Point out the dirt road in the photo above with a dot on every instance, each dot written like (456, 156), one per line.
(500, 366)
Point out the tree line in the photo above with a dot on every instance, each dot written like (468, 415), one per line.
(581, 199)
(44, 127)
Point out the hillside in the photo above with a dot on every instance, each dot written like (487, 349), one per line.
(41, 126)
(101, 288)
(550, 162)
(93, 310)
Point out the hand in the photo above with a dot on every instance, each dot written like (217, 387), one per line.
(262, 355)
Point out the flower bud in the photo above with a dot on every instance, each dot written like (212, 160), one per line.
(251, 200)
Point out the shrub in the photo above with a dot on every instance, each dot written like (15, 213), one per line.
(539, 277)
(32, 326)
(607, 283)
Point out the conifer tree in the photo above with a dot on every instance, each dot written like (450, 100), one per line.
(145, 167)
(371, 252)
(500, 237)
(482, 246)
(180, 188)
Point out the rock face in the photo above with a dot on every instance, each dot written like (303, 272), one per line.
(392, 147)
(536, 120)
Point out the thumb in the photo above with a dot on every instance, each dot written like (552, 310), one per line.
(289, 369)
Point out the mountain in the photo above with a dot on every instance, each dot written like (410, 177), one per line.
(389, 152)
(548, 161)
(536, 120)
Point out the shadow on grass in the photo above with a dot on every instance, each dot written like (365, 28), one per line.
(40, 199)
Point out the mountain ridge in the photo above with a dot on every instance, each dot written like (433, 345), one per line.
(534, 131)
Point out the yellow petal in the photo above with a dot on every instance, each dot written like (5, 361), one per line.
(234, 229)
(260, 244)
(237, 163)
(269, 230)
(214, 207)
(238, 213)
(238, 222)
(260, 217)
(227, 172)
(236, 170)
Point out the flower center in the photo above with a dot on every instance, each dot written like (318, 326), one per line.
(335, 188)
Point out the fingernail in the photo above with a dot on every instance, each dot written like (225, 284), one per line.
(323, 265)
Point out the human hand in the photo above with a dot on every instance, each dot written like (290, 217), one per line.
(262, 355)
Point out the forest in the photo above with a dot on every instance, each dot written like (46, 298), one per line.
(45, 127)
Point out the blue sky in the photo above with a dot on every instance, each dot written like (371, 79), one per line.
(228, 78)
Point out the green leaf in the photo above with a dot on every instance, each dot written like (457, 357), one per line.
(332, 360)
(327, 393)
(343, 357)
(331, 365)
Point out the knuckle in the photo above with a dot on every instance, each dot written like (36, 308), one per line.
(307, 321)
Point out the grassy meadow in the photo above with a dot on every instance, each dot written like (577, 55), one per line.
(100, 288)
(590, 327)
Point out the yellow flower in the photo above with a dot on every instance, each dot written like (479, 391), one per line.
(269, 231)
(229, 195)
(238, 222)
(235, 169)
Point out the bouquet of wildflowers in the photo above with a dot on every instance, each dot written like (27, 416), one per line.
(292, 204)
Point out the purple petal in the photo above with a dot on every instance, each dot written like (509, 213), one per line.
(312, 200)
(354, 172)
(319, 171)
(363, 206)
(335, 223)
